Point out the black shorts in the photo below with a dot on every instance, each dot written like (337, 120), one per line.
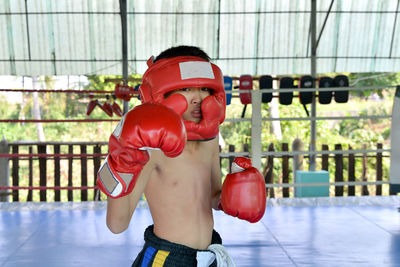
(165, 253)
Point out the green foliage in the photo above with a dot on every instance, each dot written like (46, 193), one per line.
(373, 79)
(61, 106)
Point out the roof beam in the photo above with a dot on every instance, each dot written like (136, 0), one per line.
(50, 29)
(256, 36)
(92, 31)
(394, 28)
(27, 29)
(10, 39)
(325, 20)
(133, 35)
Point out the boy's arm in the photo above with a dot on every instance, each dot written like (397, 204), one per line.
(120, 210)
(216, 177)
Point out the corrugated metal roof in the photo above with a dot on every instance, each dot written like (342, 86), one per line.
(45, 37)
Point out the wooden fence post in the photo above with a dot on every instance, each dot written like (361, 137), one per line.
(42, 171)
(57, 193)
(70, 164)
(30, 192)
(269, 171)
(364, 178)
(338, 170)
(351, 173)
(325, 158)
(96, 167)
(231, 158)
(379, 171)
(15, 173)
(84, 195)
(245, 147)
(285, 170)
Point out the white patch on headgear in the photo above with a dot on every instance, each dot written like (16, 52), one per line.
(196, 69)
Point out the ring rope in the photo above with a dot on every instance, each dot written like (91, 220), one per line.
(226, 120)
(47, 187)
(376, 117)
(327, 184)
(51, 155)
(223, 155)
(322, 89)
(267, 186)
(294, 153)
(56, 91)
(52, 121)
(269, 90)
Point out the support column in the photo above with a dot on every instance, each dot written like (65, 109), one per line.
(314, 75)
(124, 34)
(256, 120)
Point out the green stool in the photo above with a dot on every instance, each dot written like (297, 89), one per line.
(306, 177)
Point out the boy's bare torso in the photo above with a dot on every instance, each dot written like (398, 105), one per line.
(180, 193)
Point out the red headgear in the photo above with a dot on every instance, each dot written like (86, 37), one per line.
(167, 75)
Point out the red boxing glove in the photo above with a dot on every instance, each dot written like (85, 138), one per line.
(243, 193)
(116, 109)
(123, 92)
(107, 108)
(213, 110)
(148, 126)
(92, 104)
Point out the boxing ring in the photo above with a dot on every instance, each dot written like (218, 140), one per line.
(323, 231)
(348, 231)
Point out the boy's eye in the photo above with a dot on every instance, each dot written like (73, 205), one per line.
(185, 89)
(208, 90)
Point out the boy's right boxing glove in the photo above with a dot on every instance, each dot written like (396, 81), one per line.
(148, 126)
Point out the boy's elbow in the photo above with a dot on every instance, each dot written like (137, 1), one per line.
(116, 226)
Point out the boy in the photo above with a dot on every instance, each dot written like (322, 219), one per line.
(177, 124)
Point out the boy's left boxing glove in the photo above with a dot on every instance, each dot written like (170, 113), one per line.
(243, 193)
(148, 126)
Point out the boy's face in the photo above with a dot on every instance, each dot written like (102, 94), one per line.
(194, 96)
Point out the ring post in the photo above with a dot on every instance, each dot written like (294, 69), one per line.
(256, 143)
(395, 149)
(4, 170)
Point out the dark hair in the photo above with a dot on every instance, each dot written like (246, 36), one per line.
(183, 50)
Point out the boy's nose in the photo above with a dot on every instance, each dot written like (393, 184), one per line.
(196, 97)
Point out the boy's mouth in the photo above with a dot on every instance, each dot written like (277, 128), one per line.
(196, 113)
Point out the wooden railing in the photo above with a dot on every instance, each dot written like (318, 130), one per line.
(344, 166)
(56, 171)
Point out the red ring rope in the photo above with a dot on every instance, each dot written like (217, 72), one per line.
(57, 91)
(47, 187)
(48, 121)
(50, 155)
